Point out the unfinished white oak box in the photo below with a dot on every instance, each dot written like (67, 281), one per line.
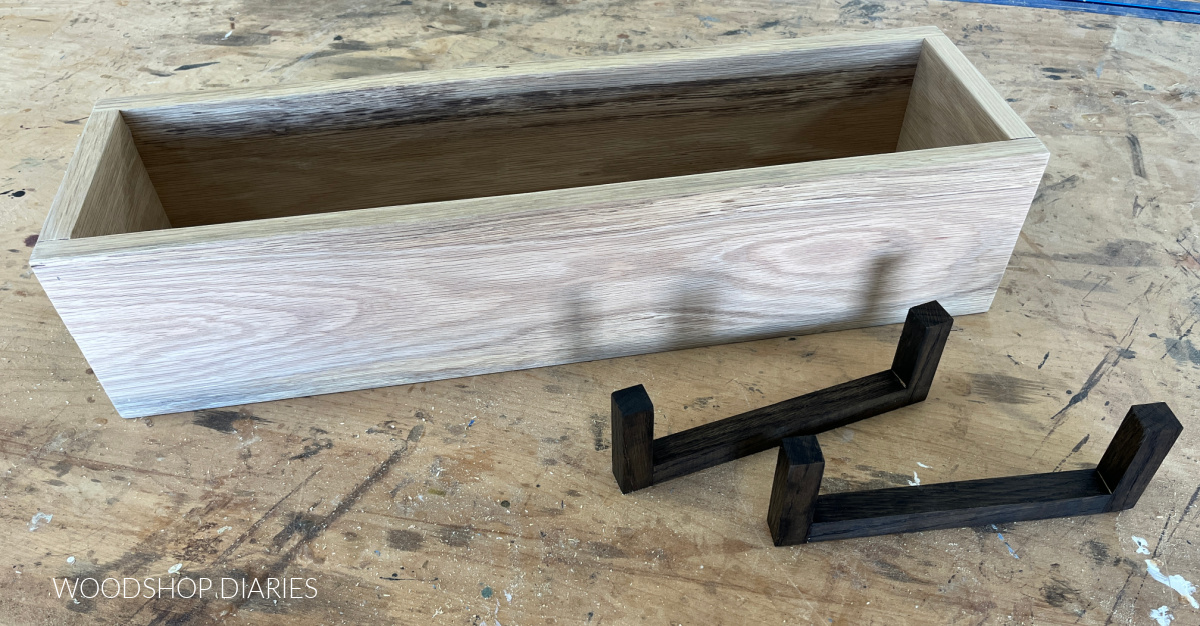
(222, 248)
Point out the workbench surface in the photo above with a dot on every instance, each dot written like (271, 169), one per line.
(490, 499)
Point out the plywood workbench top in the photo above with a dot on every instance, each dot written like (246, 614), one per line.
(490, 499)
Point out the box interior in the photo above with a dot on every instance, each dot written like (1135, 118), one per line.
(231, 160)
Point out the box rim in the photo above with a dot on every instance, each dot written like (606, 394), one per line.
(977, 86)
(526, 203)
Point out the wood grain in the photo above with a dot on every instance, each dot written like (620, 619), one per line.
(452, 224)
(218, 315)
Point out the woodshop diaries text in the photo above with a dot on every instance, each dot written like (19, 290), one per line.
(184, 587)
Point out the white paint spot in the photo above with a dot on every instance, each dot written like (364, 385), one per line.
(1162, 615)
(70, 560)
(915, 481)
(174, 569)
(37, 520)
(1174, 581)
(223, 529)
(922, 465)
(1142, 546)
(508, 596)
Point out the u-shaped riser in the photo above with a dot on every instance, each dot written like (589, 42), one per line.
(797, 514)
(640, 460)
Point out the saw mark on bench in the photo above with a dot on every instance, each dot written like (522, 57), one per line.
(1106, 365)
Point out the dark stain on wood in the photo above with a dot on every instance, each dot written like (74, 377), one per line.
(407, 540)
(1098, 550)
(606, 550)
(225, 421)
(456, 536)
(312, 448)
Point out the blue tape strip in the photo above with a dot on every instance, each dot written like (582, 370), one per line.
(1167, 10)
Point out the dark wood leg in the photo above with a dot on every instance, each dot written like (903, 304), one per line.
(798, 475)
(957, 504)
(1137, 450)
(692, 450)
(1139, 447)
(632, 437)
(920, 349)
(925, 332)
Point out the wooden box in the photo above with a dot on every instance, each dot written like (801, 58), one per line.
(230, 247)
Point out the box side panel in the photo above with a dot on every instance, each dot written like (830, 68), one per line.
(491, 136)
(228, 322)
(951, 104)
(122, 199)
(106, 190)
